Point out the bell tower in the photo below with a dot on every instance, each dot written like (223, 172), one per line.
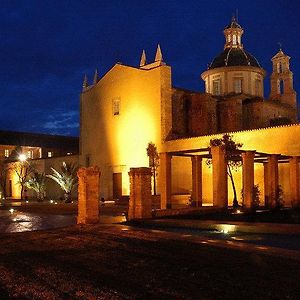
(282, 80)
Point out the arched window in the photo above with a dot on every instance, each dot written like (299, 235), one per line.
(234, 39)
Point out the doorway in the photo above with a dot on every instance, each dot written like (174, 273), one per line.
(117, 185)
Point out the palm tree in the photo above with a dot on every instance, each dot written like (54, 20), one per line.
(37, 183)
(66, 179)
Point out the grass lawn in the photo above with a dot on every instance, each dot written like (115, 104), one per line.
(105, 262)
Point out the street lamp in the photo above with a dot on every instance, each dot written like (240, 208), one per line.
(22, 157)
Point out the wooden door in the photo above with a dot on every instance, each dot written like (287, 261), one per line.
(117, 185)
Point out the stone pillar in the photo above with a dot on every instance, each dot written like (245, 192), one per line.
(197, 180)
(88, 195)
(248, 177)
(266, 185)
(140, 201)
(295, 181)
(272, 183)
(165, 177)
(219, 165)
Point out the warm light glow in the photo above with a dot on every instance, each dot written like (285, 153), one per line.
(226, 228)
(11, 210)
(22, 157)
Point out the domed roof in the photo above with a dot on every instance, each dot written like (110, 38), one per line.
(234, 57)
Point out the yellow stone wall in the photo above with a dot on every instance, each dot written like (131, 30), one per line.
(117, 143)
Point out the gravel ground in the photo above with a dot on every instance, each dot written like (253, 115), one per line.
(111, 262)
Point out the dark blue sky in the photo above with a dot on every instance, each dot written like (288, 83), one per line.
(48, 46)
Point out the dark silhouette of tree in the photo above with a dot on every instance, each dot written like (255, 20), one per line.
(153, 162)
(233, 158)
(23, 169)
(4, 169)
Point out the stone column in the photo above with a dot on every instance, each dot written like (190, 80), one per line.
(272, 182)
(248, 177)
(165, 178)
(295, 181)
(219, 165)
(140, 201)
(197, 180)
(266, 185)
(88, 195)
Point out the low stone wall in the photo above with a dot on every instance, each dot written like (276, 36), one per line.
(185, 211)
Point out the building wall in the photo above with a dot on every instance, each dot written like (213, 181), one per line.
(53, 191)
(117, 142)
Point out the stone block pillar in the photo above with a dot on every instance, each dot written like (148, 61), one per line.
(197, 180)
(88, 195)
(140, 201)
(266, 185)
(248, 177)
(220, 179)
(165, 178)
(295, 181)
(272, 180)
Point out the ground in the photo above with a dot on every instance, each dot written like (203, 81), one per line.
(121, 262)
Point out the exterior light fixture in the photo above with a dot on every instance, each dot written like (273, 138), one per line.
(22, 157)
(11, 210)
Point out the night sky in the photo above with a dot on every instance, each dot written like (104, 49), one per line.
(48, 46)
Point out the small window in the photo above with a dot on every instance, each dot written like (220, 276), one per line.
(238, 86)
(6, 153)
(50, 153)
(87, 160)
(257, 87)
(30, 154)
(116, 106)
(239, 39)
(216, 87)
(234, 39)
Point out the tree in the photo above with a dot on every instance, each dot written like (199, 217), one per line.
(233, 158)
(23, 169)
(3, 177)
(153, 162)
(66, 179)
(37, 182)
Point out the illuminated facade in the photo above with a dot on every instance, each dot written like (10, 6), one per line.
(41, 151)
(130, 106)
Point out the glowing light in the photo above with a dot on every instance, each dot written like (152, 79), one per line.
(55, 203)
(238, 211)
(51, 201)
(22, 157)
(14, 219)
(226, 228)
(11, 210)
(26, 201)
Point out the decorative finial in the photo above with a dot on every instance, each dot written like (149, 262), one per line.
(95, 77)
(280, 46)
(158, 55)
(143, 59)
(85, 83)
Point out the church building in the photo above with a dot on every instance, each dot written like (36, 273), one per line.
(121, 112)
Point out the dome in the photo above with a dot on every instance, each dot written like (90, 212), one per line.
(234, 57)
